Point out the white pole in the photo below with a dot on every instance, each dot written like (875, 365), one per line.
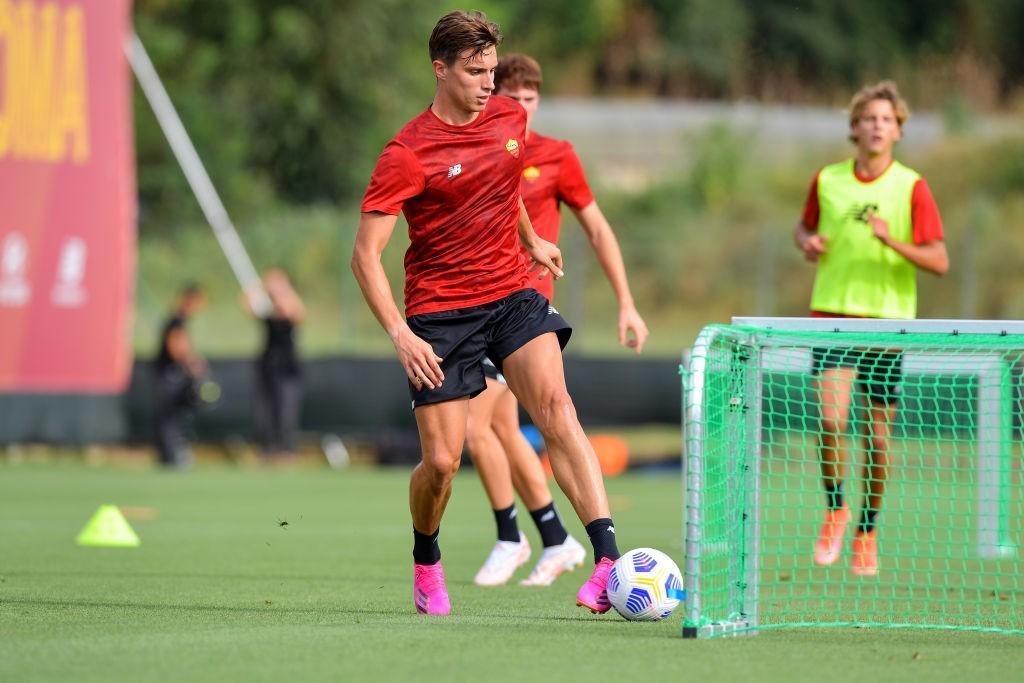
(196, 174)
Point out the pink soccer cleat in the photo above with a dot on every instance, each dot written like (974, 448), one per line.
(429, 593)
(594, 594)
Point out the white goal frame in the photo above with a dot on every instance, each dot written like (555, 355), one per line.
(994, 433)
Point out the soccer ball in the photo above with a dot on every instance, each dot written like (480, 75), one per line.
(645, 585)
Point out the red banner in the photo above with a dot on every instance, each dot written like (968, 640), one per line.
(67, 196)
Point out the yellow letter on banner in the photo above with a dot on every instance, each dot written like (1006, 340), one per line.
(71, 101)
(40, 78)
(23, 47)
(6, 78)
(44, 98)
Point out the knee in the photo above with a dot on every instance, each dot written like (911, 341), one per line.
(557, 416)
(505, 429)
(441, 464)
(477, 437)
(502, 433)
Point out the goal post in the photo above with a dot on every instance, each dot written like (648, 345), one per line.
(934, 407)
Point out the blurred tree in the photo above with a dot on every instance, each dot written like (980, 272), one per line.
(711, 38)
(292, 101)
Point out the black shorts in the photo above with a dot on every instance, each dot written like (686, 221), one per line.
(879, 373)
(464, 337)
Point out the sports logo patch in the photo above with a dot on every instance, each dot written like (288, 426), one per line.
(454, 170)
(531, 173)
(512, 147)
(860, 212)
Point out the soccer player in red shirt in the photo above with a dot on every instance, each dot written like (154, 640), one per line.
(869, 224)
(454, 172)
(503, 458)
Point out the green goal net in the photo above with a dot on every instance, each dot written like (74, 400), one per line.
(854, 473)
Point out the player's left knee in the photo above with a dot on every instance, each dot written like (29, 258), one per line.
(476, 438)
(505, 429)
(558, 420)
(442, 464)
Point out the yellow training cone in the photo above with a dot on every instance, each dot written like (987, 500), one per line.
(108, 529)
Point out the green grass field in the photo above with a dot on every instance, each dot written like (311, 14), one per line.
(219, 590)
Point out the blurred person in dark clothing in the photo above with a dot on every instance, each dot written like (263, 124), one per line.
(179, 371)
(278, 398)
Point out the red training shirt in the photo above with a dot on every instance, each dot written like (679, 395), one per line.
(459, 189)
(553, 175)
(926, 224)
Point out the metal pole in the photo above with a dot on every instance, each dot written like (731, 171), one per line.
(751, 591)
(195, 173)
(693, 475)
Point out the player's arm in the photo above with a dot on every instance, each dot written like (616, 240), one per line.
(291, 306)
(421, 364)
(179, 348)
(544, 254)
(927, 250)
(809, 241)
(632, 329)
(931, 256)
(806, 236)
(297, 309)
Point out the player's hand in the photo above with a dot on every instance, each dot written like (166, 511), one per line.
(632, 329)
(813, 246)
(422, 365)
(547, 258)
(879, 227)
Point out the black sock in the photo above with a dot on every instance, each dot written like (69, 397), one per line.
(549, 524)
(867, 519)
(833, 495)
(425, 549)
(602, 537)
(508, 530)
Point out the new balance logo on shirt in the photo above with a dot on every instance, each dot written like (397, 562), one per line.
(860, 212)
(454, 170)
(552, 311)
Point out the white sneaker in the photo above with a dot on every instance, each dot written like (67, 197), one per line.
(555, 560)
(505, 558)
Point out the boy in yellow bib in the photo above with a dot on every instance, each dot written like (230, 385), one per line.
(869, 224)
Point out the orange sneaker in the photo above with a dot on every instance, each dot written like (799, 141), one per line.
(865, 553)
(830, 538)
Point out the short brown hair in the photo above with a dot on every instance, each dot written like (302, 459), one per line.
(883, 90)
(518, 71)
(457, 32)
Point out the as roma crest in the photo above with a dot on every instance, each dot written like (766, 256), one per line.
(512, 147)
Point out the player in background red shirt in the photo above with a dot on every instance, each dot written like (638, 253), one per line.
(503, 458)
(454, 172)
